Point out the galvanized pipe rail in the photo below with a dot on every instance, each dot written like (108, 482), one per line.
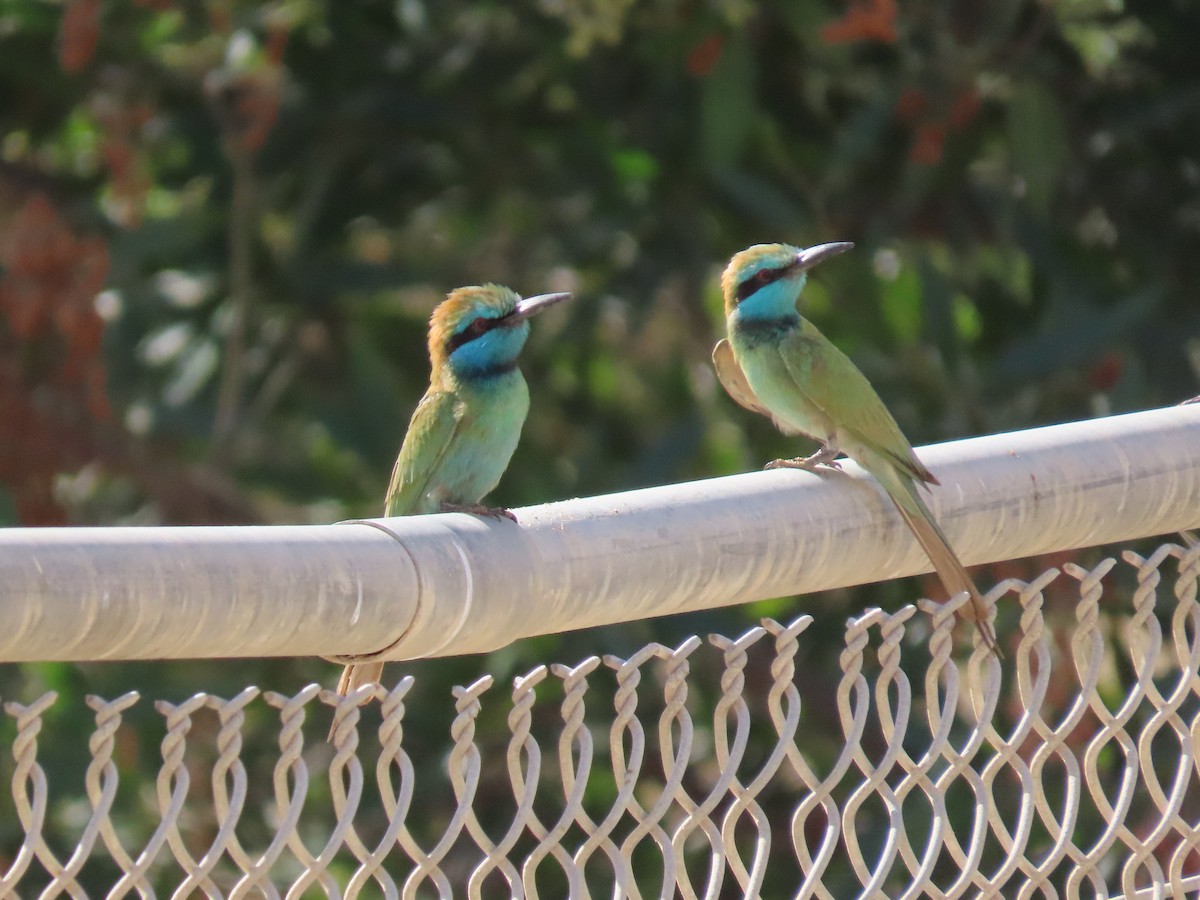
(448, 584)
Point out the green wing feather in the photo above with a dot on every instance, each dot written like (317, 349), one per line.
(830, 381)
(431, 432)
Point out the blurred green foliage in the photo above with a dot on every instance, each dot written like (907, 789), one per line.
(235, 218)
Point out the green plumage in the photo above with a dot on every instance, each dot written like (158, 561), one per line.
(464, 431)
(778, 364)
(459, 443)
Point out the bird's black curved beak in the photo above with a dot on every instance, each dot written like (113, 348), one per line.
(531, 306)
(806, 259)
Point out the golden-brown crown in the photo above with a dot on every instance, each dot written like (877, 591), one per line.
(747, 263)
(461, 307)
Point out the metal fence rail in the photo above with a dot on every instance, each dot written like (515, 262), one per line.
(440, 585)
(1066, 770)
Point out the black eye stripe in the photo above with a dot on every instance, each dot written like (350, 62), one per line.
(758, 280)
(468, 334)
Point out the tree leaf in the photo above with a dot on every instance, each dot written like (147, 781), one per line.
(1037, 142)
(727, 105)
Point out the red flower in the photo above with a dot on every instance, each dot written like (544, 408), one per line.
(868, 20)
(704, 55)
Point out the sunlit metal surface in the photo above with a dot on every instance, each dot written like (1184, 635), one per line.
(443, 585)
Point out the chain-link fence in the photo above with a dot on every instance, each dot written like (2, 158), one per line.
(1068, 769)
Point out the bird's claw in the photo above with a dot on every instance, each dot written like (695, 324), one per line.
(488, 512)
(785, 465)
(820, 459)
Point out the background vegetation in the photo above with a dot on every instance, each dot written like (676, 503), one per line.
(223, 225)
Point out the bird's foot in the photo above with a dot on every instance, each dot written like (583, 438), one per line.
(826, 457)
(475, 509)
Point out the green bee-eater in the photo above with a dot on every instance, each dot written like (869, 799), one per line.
(463, 432)
(778, 364)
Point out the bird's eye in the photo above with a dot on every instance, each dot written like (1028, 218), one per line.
(479, 326)
(762, 277)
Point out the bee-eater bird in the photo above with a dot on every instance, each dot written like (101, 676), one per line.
(463, 432)
(778, 364)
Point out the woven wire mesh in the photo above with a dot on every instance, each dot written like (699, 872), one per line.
(1069, 769)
